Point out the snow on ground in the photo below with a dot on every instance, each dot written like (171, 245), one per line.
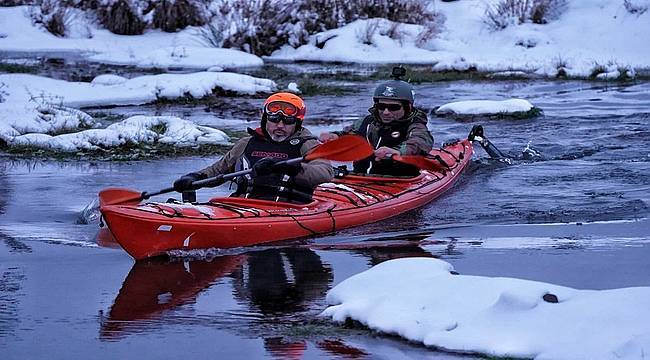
(477, 107)
(420, 300)
(347, 44)
(589, 34)
(35, 104)
(154, 49)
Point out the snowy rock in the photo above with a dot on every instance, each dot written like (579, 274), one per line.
(611, 75)
(215, 69)
(108, 79)
(293, 87)
(485, 107)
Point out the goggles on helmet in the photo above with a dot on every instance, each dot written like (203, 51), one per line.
(276, 118)
(281, 107)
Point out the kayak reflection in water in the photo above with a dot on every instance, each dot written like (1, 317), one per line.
(156, 286)
(276, 282)
(394, 127)
(281, 136)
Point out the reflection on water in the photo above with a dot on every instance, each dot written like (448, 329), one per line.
(269, 287)
(154, 287)
(282, 281)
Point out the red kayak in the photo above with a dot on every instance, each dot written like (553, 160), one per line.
(154, 228)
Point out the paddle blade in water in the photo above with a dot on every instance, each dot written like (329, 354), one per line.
(421, 162)
(345, 148)
(114, 196)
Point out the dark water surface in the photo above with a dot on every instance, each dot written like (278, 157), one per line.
(571, 209)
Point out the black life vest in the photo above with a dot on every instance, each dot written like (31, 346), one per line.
(392, 136)
(274, 187)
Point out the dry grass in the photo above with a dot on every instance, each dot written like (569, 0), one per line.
(121, 17)
(634, 7)
(513, 12)
(171, 16)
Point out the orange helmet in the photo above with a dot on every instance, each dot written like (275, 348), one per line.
(287, 104)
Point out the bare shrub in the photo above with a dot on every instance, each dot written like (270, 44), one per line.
(122, 17)
(3, 94)
(510, 12)
(55, 16)
(336, 13)
(212, 34)
(634, 7)
(16, 2)
(172, 15)
(367, 33)
(263, 26)
(561, 64)
(394, 31)
(255, 26)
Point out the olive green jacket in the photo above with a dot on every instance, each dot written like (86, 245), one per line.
(312, 173)
(418, 140)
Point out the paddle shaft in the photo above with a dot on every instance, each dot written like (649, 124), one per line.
(201, 183)
(476, 134)
(235, 174)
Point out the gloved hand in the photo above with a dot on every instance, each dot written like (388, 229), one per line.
(270, 165)
(184, 183)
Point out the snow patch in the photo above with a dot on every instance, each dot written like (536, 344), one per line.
(421, 300)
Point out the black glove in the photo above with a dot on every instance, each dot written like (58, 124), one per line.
(270, 165)
(184, 183)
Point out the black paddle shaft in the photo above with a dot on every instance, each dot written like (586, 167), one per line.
(477, 134)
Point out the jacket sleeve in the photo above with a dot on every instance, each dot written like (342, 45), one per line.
(227, 163)
(418, 142)
(316, 171)
(350, 129)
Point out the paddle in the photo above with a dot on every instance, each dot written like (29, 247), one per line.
(476, 134)
(345, 148)
(420, 161)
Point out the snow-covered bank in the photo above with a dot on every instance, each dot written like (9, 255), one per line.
(155, 49)
(421, 300)
(589, 37)
(168, 130)
(586, 39)
(34, 104)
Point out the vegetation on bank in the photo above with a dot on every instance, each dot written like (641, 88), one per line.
(516, 115)
(127, 152)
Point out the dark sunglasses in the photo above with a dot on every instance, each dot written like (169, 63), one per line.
(276, 118)
(390, 107)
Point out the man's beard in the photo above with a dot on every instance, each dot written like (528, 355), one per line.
(278, 137)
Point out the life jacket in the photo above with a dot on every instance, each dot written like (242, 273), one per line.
(274, 187)
(390, 135)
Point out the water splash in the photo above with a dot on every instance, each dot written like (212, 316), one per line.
(528, 153)
(90, 213)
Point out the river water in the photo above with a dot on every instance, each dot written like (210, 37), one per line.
(570, 209)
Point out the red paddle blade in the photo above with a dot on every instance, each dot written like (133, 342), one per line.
(421, 162)
(345, 148)
(114, 196)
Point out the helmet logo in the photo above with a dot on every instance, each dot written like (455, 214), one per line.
(294, 141)
(395, 134)
(389, 91)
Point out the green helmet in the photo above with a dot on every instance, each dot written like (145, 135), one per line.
(395, 90)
